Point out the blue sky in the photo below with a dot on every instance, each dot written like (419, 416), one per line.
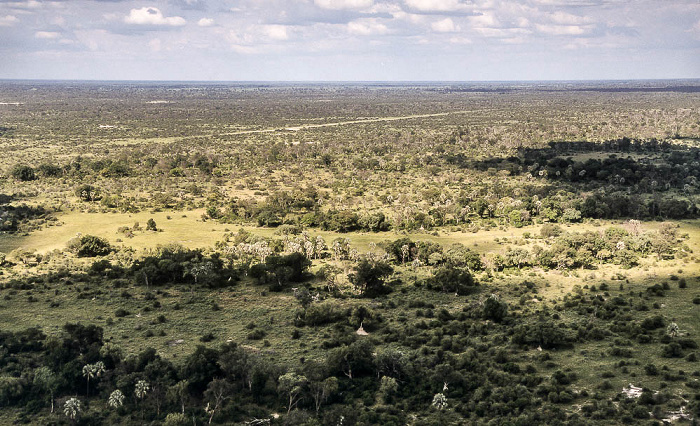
(355, 40)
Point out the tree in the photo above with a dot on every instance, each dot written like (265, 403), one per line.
(89, 246)
(140, 391)
(116, 399)
(387, 388)
(495, 309)
(72, 408)
(179, 393)
(322, 390)
(90, 371)
(87, 192)
(368, 277)
(217, 392)
(453, 280)
(292, 385)
(352, 360)
(46, 380)
(440, 401)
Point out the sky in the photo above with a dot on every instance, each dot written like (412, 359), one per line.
(349, 40)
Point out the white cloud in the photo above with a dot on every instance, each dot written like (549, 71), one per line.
(562, 29)
(343, 4)
(8, 21)
(153, 16)
(155, 45)
(435, 5)
(444, 26)
(696, 30)
(246, 50)
(366, 27)
(205, 22)
(276, 32)
(563, 18)
(31, 4)
(47, 35)
(485, 20)
(460, 40)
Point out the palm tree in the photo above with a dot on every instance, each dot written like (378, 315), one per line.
(440, 401)
(116, 399)
(90, 371)
(140, 390)
(72, 408)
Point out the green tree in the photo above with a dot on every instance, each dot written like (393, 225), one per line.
(140, 391)
(440, 401)
(178, 393)
(116, 399)
(322, 390)
(72, 408)
(218, 391)
(47, 382)
(292, 385)
(91, 371)
(369, 277)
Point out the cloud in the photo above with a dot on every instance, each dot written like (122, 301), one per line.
(153, 16)
(367, 27)
(47, 35)
(563, 18)
(190, 4)
(460, 40)
(444, 26)
(276, 32)
(156, 45)
(696, 30)
(8, 20)
(436, 5)
(30, 4)
(205, 22)
(557, 30)
(343, 4)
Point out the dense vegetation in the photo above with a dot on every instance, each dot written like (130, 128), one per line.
(470, 255)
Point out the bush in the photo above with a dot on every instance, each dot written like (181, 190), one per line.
(121, 313)
(89, 246)
(495, 309)
(453, 280)
(323, 313)
(257, 334)
(22, 173)
(672, 350)
(549, 230)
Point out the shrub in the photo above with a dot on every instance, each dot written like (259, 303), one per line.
(120, 313)
(257, 334)
(495, 309)
(22, 172)
(323, 313)
(453, 280)
(87, 192)
(89, 246)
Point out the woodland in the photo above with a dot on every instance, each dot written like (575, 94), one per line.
(350, 253)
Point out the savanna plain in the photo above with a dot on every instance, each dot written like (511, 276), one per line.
(350, 254)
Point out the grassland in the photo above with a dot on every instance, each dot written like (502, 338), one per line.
(221, 168)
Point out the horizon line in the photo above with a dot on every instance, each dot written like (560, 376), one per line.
(3, 79)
